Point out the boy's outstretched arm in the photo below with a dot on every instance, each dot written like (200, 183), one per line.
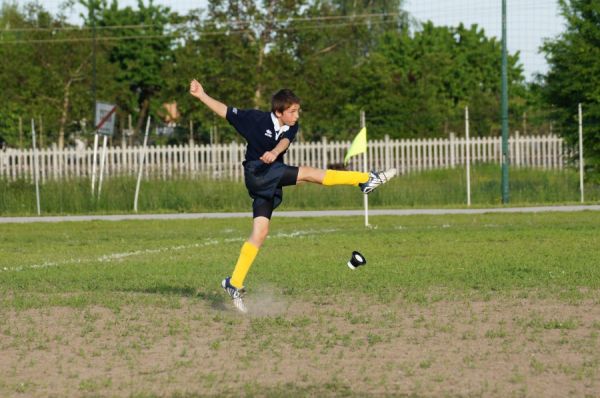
(217, 107)
(270, 156)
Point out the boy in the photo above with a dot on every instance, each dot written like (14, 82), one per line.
(268, 135)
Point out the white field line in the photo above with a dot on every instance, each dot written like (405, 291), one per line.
(112, 257)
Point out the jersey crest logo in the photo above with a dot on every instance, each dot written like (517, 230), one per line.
(269, 133)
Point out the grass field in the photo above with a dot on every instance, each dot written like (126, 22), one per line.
(433, 188)
(472, 305)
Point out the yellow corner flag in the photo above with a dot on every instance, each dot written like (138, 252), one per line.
(359, 145)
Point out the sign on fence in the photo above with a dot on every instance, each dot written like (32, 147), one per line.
(105, 118)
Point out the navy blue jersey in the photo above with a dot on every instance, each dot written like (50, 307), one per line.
(260, 131)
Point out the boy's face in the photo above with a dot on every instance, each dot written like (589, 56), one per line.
(290, 116)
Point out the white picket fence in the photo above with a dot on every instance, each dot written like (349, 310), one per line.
(224, 160)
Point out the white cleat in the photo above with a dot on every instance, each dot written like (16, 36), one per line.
(377, 178)
(235, 294)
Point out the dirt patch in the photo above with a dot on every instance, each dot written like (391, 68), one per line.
(320, 347)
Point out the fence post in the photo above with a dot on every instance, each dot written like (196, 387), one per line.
(559, 152)
(517, 149)
(401, 150)
(232, 158)
(387, 155)
(324, 149)
(452, 150)
(581, 165)
(21, 154)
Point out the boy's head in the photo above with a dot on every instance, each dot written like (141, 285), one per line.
(283, 99)
(286, 106)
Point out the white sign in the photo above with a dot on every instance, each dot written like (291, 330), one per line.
(105, 118)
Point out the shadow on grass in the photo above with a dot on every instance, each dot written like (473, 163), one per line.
(216, 300)
(333, 388)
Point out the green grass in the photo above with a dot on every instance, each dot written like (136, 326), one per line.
(436, 188)
(456, 305)
(421, 258)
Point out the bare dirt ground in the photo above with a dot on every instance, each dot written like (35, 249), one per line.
(330, 346)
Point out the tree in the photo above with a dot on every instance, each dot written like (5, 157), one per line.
(328, 49)
(42, 65)
(137, 50)
(13, 73)
(418, 84)
(574, 77)
(339, 56)
(229, 47)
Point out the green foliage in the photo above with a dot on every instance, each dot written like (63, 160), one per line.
(9, 122)
(574, 76)
(430, 77)
(411, 84)
(38, 80)
(137, 65)
(340, 57)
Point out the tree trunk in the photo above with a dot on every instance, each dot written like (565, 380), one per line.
(258, 91)
(66, 101)
(142, 116)
(20, 133)
(65, 113)
(263, 41)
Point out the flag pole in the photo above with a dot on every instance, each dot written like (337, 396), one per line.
(94, 160)
(366, 170)
(102, 161)
(468, 156)
(36, 168)
(358, 146)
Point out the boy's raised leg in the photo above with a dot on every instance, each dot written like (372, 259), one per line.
(331, 177)
(340, 177)
(366, 181)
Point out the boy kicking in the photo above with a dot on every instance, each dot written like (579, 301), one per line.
(269, 134)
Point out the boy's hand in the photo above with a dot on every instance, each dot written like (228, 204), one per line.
(196, 88)
(217, 107)
(268, 157)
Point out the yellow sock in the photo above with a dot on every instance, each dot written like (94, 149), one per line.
(247, 256)
(339, 177)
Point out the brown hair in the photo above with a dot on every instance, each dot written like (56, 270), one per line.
(283, 99)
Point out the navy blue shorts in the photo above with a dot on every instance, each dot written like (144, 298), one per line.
(265, 184)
